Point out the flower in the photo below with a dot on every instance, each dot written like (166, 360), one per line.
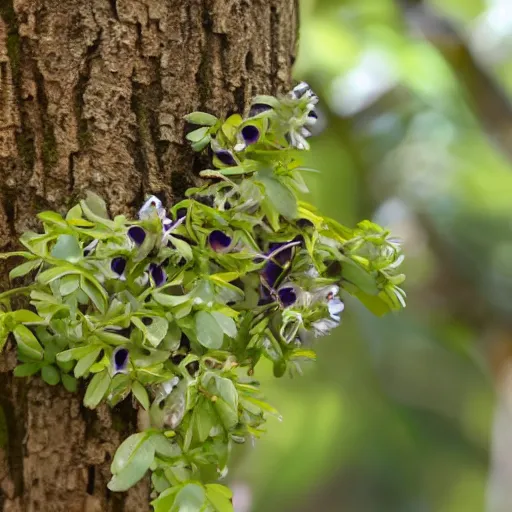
(137, 234)
(335, 307)
(302, 100)
(249, 134)
(165, 388)
(167, 224)
(274, 270)
(258, 108)
(303, 91)
(282, 252)
(225, 156)
(90, 248)
(219, 241)
(158, 274)
(150, 207)
(120, 360)
(271, 272)
(312, 118)
(323, 326)
(142, 280)
(174, 409)
(287, 295)
(328, 295)
(297, 137)
(118, 265)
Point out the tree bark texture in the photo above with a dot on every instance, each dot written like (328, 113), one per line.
(92, 96)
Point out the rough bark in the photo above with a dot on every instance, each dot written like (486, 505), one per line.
(92, 96)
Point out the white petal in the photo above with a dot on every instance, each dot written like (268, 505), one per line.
(152, 205)
(335, 306)
(90, 247)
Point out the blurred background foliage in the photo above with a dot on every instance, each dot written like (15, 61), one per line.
(397, 413)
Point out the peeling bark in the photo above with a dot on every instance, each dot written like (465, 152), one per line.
(92, 96)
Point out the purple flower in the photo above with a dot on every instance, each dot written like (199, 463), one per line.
(219, 241)
(120, 360)
(118, 265)
(167, 224)
(226, 157)
(250, 134)
(271, 272)
(158, 274)
(258, 108)
(287, 296)
(137, 234)
(281, 252)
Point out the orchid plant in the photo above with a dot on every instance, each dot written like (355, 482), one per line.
(177, 307)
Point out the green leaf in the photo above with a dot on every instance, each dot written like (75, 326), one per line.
(26, 316)
(227, 398)
(226, 323)
(165, 447)
(204, 419)
(96, 205)
(52, 218)
(280, 196)
(201, 118)
(76, 353)
(220, 497)
(27, 342)
(131, 461)
(27, 369)
(97, 389)
(201, 144)
(209, 332)
(112, 338)
(69, 382)
(270, 213)
(266, 100)
(23, 254)
(24, 268)
(50, 375)
(156, 331)
(165, 502)
(182, 247)
(140, 393)
(68, 284)
(374, 303)
(85, 362)
(95, 292)
(67, 248)
(170, 300)
(301, 353)
(128, 451)
(74, 213)
(190, 499)
(53, 273)
(359, 277)
(197, 135)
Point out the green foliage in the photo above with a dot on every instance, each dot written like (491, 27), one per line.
(177, 309)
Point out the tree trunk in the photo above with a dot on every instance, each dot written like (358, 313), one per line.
(92, 96)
